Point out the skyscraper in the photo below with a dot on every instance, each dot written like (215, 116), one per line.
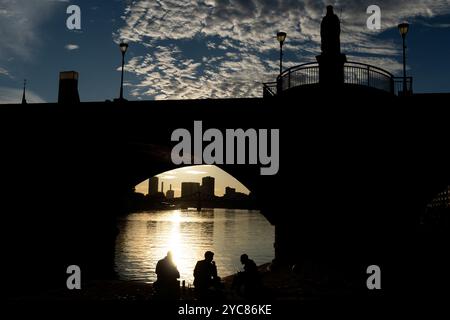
(207, 188)
(170, 194)
(230, 192)
(153, 186)
(189, 189)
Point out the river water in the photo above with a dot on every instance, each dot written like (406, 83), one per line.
(146, 237)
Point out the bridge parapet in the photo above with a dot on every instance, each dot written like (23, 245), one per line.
(355, 73)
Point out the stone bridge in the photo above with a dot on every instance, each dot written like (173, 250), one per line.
(354, 168)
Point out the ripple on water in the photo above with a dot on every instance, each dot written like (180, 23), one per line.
(146, 237)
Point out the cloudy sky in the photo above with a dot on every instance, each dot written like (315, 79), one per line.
(187, 49)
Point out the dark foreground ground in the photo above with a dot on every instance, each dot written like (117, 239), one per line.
(279, 284)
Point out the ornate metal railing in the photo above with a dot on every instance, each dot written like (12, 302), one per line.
(304, 74)
(269, 89)
(366, 75)
(355, 73)
(398, 86)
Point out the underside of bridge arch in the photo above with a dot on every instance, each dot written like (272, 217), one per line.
(352, 172)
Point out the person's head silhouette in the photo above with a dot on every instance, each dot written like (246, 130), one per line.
(169, 256)
(244, 258)
(330, 10)
(209, 255)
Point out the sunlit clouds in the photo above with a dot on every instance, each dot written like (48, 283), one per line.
(200, 49)
(237, 45)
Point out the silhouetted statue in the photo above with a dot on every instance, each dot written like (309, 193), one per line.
(331, 61)
(248, 282)
(167, 285)
(206, 281)
(330, 32)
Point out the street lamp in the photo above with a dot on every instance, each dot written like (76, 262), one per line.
(403, 29)
(281, 36)
(123, 48)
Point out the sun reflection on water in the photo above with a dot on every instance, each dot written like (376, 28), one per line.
(174, 244)
(147, 237)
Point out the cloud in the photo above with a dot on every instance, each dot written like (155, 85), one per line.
(20, 22)
(14, 96)
(195, 172)
(436, 25)
(167, 74)
(4, 72)
(71, 47)
(166, 177)
(238, 47)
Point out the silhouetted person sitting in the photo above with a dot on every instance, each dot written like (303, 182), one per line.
(330, 31)
(167, 286)
(248, 282)
(206, 281)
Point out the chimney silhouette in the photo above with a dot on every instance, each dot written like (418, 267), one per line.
(162, 187)
(68, 87)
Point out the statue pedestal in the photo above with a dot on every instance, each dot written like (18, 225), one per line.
(331, 69)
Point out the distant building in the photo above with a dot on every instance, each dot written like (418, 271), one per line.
(207, 188)
(229, 192)
(442, 200)
(170, 194)
(189, 188)
(153, 183)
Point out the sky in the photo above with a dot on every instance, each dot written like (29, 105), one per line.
(195, 174)
(189, 49)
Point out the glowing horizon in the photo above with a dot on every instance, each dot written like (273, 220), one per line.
(195, 174)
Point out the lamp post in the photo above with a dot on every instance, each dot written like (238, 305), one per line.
(123, 48)
(403, 29)
(281, 36)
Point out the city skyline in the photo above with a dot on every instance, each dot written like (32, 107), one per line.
(205, 49)
(195, 174)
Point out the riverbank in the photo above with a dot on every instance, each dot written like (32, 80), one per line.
(279, 284)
